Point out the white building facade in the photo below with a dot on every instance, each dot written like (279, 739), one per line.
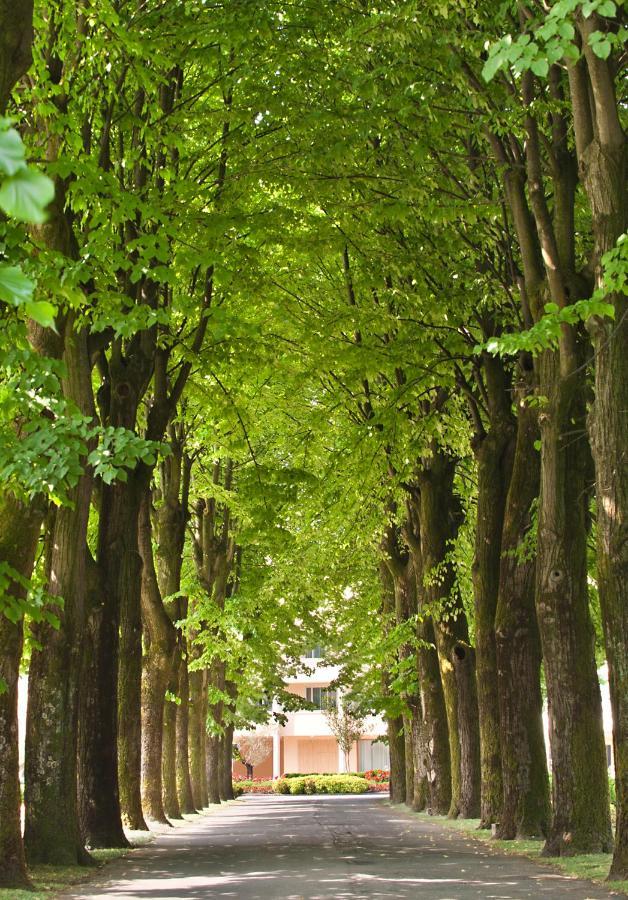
(306, 744)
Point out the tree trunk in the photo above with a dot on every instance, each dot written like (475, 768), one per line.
(493, 452)
(434, 746)
(52, 831)
(125, 575)
(396, 748)
(197, 725)
(99, 798)
(439, 522)
(19, 531)
(463, 659)
(184, 780)
(170, 797)
(603, 167)
(581, 816)
(431, 737)
(419, 780)
(226, 779)
(170, 522)
(203, 751)
(525, 810)
(214, 744)
(212, 750)
(19, 525)
(408, 753)
(609, 431)
(16, 39)
(159, 658)
(404, 582)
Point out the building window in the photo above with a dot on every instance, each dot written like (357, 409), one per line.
(320, 697)
(315, 652)
(373, 755)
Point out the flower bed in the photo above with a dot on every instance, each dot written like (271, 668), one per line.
(252, 786)
(310, 784)
(322, 784)
(379, 775)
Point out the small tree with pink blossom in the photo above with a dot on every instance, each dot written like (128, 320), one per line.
(254, 749)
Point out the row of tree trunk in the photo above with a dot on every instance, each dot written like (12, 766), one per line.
(475, 731)
(97, 710)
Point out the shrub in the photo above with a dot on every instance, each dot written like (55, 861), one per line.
(321, 784)
(252, 786)
(281, 786)
(378, 787)
(341, 784)
(379, 775)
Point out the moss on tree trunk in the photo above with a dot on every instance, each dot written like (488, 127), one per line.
(525, 810)
(581, 813)
(439, 522)
(19, 531)
(493, 451)
(184, 779)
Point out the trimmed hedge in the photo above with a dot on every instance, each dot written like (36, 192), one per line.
(321, 784)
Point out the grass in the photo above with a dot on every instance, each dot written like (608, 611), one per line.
(50, 879)
(594, 866)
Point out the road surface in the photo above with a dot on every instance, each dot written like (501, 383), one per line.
(320, 847)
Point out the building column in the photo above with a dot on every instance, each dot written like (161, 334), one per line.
(276, 754)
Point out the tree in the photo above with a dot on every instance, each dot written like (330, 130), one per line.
(253, 749)
(346, 725)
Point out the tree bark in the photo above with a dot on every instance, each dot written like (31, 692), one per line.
(158, 661)
(170, 521)
(226, 779)
(525, 810)
(581, 813)
(396, 747)
(433, 764)
(216, 676)
(170, 798)
(184, 779)
(439, 522)
(19, 524)
(16, 40)
(19, 531)
(602, 162)
(212, 751)
(99, 798)
(493, 452)
(196, 727)
(52, 830)
(127, 573)
(434, 745)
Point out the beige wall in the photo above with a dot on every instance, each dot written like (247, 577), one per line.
(302, 754)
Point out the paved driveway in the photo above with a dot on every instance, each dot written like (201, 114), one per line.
(324, 847)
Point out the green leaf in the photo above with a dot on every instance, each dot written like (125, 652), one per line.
(11, 152)
(602, 48)
(607, 8)
(540, 67)
(491, 66)
(42, 312)
(26, 195)
(15, 287)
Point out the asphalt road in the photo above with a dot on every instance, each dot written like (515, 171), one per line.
(324, 847)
